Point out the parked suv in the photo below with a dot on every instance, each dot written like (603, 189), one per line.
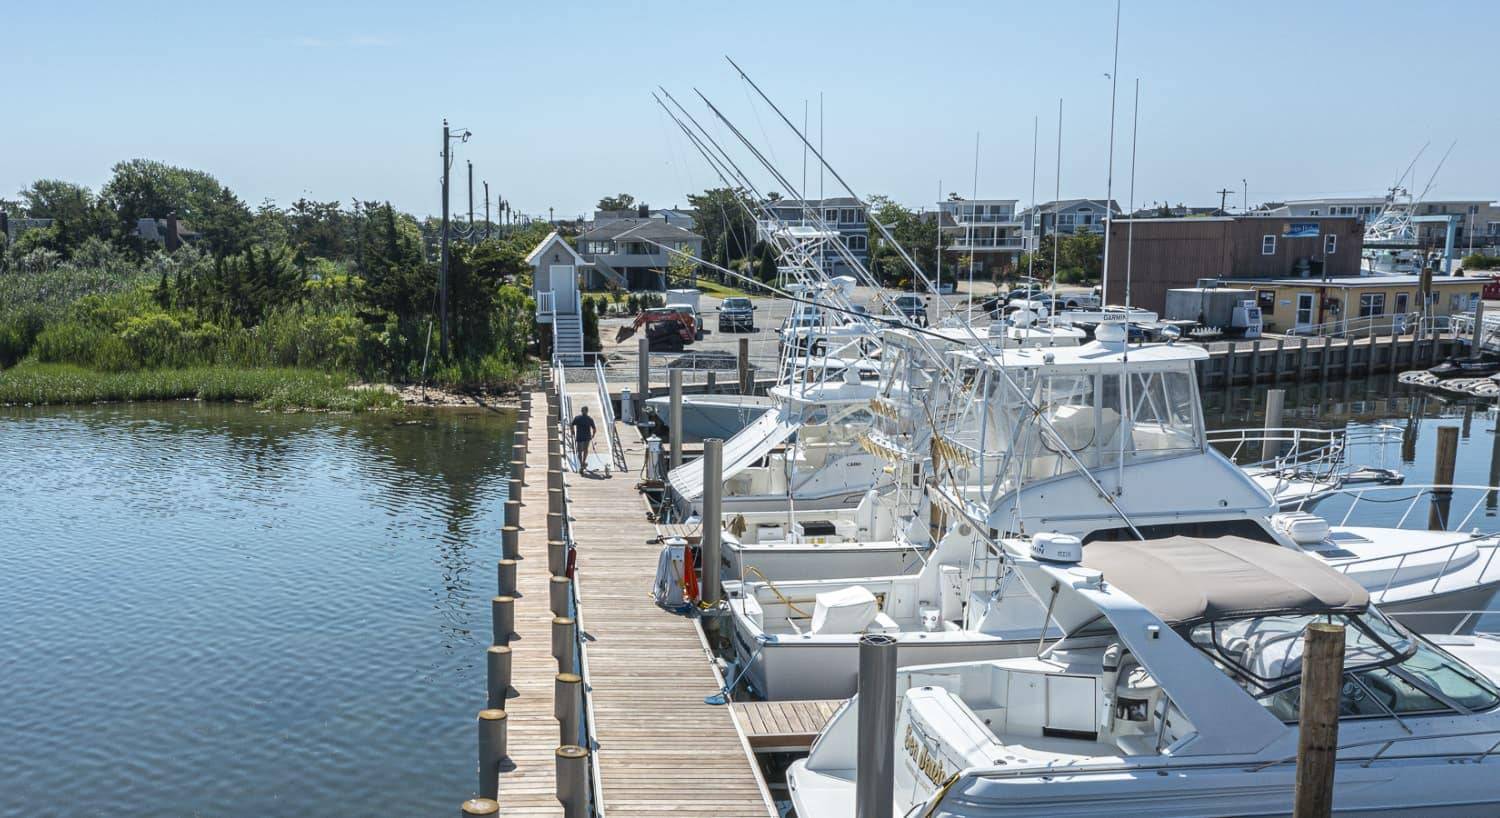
(913, 308)
(736, 315)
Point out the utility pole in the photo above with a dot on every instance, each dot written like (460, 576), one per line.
(550, 220)
(486, 209)
(1245, 202)
(1223, 197)
(471, 195)
(443, 271)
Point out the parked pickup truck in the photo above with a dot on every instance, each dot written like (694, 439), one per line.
(736, 315)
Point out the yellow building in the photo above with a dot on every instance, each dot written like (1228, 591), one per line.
(1298, 305)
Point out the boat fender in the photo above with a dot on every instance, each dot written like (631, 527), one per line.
(1111, 664)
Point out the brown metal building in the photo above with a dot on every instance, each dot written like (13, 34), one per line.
(1167, 253)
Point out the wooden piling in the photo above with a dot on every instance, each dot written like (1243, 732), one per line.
(564, 642)
(513, 513)
(497, 667)
(510, 542)
(573, 780)
(505, 577)
(1318, 720)
(1301, 359)
(502, 619)
(1271, 443)
(1442, 476)
(557, 557)
(554, 525)
(567, 707)
(491, 750)
(674, 420)
(742, 367)
(559, 589)
(1276, 364)
(1254, 361)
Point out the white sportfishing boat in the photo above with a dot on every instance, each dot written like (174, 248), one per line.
(804, 452)
(1167, 683)
(1074, 442)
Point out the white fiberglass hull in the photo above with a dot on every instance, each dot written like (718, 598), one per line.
(793, 666)
(1202, 788)
(847, 496)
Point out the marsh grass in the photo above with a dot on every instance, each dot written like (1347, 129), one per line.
(269, 388)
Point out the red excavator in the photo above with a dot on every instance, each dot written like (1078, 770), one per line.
(668, 329)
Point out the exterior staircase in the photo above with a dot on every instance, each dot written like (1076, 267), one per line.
(567, 338)
(610, 274)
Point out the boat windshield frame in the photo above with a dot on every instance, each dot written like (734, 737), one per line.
(1374, 643)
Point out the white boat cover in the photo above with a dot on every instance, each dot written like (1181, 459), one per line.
(847, 610)
(749, 445)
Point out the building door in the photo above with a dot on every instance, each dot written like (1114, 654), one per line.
(1304, 311)
(563, 280)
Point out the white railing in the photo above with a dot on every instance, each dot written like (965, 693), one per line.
(546, 305)
(1401, 323)
(560, 383)
(607, 416)
(1439, 502)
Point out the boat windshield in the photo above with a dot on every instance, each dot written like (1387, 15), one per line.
(1387, 671)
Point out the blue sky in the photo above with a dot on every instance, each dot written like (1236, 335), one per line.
(282, 99)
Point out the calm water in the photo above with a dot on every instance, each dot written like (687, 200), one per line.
(210, 610)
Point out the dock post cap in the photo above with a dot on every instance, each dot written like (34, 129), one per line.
(562, 620)
(492, 714)
(498, 649)
(481, 806)
(504, 599)
(569, 678)
(559, 579)
(571, 751)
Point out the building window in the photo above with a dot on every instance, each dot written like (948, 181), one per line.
(847, 216)
(1268, 245)
(1267, 299)
(1330, 243)
(1402, 300)
(1371, 304)
(855, 242)
(831, 216)
(1313, 212)
(1065, 220)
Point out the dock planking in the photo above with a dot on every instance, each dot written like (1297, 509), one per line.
(659, 748)
(784, 727)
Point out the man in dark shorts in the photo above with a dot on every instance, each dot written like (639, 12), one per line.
(583, 436)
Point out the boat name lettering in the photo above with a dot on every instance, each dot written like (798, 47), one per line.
(931, 766)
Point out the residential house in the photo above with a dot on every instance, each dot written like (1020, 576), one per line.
(1162, 254)
(986, 229)
(845, 218)
(676, 217)
(629, 252)
(1363, 208)
(1067, 217)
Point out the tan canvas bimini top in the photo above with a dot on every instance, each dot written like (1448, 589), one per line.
(1185, 579)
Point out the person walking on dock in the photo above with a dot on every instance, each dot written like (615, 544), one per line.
(583, 437)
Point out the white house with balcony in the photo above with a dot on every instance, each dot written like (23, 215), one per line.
(843, 219)
(1067, 217)
(986, 229)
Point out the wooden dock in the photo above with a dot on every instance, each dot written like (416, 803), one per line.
(658, 748)
(784, 727)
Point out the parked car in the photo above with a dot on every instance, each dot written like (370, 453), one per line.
(913, 308)
(736, 315)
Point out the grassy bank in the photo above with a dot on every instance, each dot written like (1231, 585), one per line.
(270, 388)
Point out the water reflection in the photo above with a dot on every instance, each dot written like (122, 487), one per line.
(278, 606)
